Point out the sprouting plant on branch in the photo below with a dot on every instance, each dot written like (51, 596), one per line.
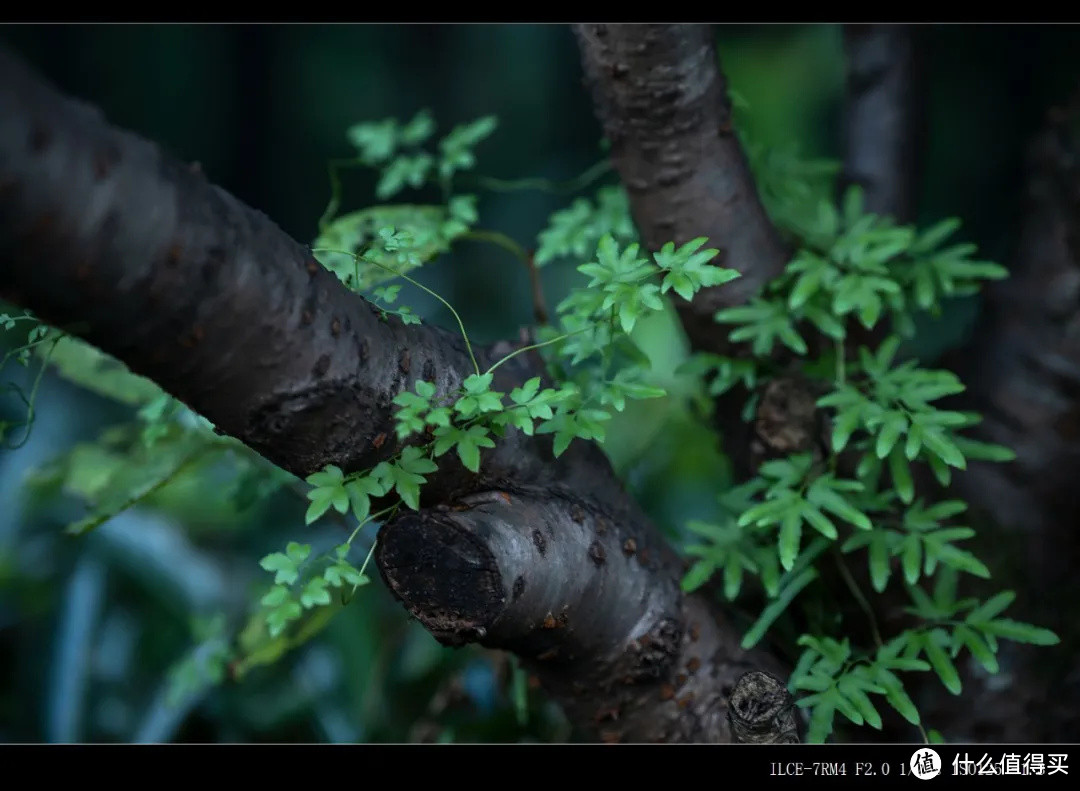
(849, 508)
(833, 325)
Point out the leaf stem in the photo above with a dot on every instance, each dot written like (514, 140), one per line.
(370, 518)
(497, 238)
(332, 167)
(840, 372)
(367, 560)
(421, 286)
(516, 352)
(191, 457)
(30, 413)
(859, 597)
(579, 182)
(507, 243)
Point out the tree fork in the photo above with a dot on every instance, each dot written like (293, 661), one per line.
(104, 235)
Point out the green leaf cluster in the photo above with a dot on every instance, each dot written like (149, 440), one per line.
(878, 414)
(298, 587)
(394, 148)
(375, 245)
(575, 231)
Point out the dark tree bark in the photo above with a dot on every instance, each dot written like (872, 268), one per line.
(883, 117)
(1023, 370)
(762, 711)
(663, 104)
(662, 101)
(104, 235)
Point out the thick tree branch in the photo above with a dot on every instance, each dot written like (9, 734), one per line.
(662, 101)
(883, 117)
(1025, 363)
(592, 606)
(102, 233)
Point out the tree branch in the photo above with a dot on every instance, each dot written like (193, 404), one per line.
(592, 605)
(883, 117)
(1025, 361)
(661, 99)
(104, 234)
(1023, 374)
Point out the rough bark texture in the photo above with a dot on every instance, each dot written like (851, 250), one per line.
(762, 711)
(883, 117)
(593, 609)
(661, 99)
(663, 104)
(104, 235)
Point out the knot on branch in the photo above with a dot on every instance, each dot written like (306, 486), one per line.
(761, 711)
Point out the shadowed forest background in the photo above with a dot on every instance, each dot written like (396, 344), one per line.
(92, 629)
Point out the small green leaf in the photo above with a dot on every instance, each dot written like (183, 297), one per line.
(935, 235)
(939, 660)
(297, 552)
(979, 649)
(984, 451)
(819, 521)
(941, 470)
(992, 607)
(525, 393)
(733, 573)
(315, 593)
(774, 609)
(914, 441)
(697, 576)
(792, 339)
(280, 617)
(478, 383)
(901, 475)
(821, 495)
(1020, 632)
(943, 448)
(284, 568)
(843, 426)
(275, 596)
(961, 560)
(318, 507)
(879, 560)
(790, 536)
(897, 697)
(850, 689)
(328, 477)
(821, 723)
(893, 425)
(911, 558)
(805, 287)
